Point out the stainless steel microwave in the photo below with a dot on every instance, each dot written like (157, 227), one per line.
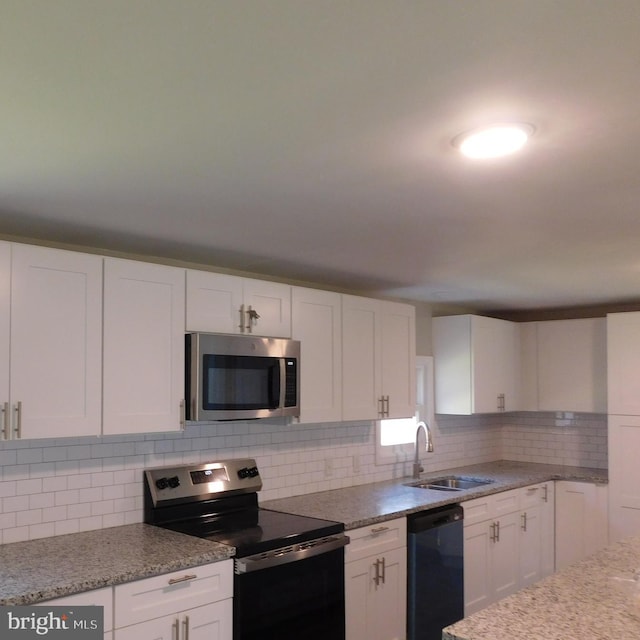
(231, 377)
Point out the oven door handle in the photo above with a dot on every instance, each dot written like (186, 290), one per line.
(294, 553)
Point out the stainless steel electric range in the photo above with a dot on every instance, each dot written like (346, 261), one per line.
(289, 569)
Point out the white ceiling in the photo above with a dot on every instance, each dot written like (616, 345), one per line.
(310, 139)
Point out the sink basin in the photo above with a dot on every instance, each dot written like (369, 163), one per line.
(450, 483)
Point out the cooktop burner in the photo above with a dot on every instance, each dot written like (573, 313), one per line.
(218, 501)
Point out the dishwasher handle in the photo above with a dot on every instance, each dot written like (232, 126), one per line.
(432, 518)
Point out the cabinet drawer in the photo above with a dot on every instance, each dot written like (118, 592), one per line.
(492, 506)
(172, 592)
(98, 598)
(376, 538)
(535, 494)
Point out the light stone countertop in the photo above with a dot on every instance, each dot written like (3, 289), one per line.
(367, 504)
(48, 568)
(596, 599)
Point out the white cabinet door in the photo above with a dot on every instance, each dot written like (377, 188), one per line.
(530, 545)
(375, 597)
(143, 347)
(581, 521)
(496, 365)
(564, 365)
(272, 303)
(56, 342)
(623, 363)
(316, 323)
(221, 303)
(360, 358)
(5, 338)
(477, 364)
(209, 622)
(505, 552)
(214, 302)
(398, 371)
(624, 477)
(478, 541)
(378, 359)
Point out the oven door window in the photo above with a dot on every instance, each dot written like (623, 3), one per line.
(302, 600)
(240, 383)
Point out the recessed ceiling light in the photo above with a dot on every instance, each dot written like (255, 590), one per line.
(495, 141)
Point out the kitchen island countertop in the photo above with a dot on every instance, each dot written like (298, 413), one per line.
(367, 504)
(47, 568)
(596, 599)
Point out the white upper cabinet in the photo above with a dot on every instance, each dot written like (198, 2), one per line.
(53, 387)
(221, 303)
(564, 365)
(477, 365)
(398, 359)
(378, 359)
(144, 330)
(623, 363)
(316, 322)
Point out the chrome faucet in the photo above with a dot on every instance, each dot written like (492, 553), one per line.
(417, 467)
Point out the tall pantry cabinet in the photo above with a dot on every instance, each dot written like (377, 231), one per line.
(623, 383)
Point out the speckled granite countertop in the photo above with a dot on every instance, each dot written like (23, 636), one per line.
(367, 504)
(63, 565)
(596, 599)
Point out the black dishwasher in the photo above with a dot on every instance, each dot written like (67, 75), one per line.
(435, 574)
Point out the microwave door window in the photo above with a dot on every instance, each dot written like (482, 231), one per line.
(240, 383)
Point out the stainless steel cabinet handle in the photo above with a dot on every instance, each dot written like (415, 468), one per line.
(189, 576)
(241, 325)
(377, 530)
(175, 629)
(492, 534)
(501, 402)
(185, 628)
(523, 517)
(545, 493)
(498, 531)
(18, 429)
(6, 430)
(384, 569)
(386, 405)
(376, 577)
(381, 406)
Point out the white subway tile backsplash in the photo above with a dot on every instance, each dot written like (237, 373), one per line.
(65, 486)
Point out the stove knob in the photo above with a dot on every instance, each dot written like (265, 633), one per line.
(174, 482)
(243, 473)
(162, 483)
(253, 472)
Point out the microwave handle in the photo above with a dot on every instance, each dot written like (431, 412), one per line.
(283, 382)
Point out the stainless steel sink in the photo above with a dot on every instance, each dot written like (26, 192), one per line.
(449, 483)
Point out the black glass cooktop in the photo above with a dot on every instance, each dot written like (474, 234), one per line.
(257, 530)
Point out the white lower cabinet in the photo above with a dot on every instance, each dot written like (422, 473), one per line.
(195, 604)
(376, 582)
(96, 598)
(508, 543)
(581, 520)
(209, 622)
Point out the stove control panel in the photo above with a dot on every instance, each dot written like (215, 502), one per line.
(202, 480)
